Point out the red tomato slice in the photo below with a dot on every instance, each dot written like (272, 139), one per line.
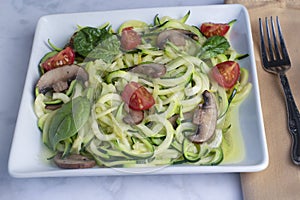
(137, 97)
(226, 73)
(64, 57)
(130, 39)
(210, 29)
(128, 91)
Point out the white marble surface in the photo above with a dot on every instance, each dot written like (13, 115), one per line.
(18, 19)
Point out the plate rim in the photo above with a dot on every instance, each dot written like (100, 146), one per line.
(261, 165)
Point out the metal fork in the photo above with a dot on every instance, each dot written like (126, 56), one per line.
(276, 60)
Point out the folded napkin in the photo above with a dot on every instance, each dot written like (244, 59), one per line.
(281, 179)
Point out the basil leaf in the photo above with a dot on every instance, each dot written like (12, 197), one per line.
(68, 120)
(213, 46)
(106, 50)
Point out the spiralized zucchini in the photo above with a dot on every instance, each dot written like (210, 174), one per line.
(154, 141)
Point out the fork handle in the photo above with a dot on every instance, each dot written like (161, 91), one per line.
(293, 119)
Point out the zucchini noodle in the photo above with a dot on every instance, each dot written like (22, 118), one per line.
(155, 140)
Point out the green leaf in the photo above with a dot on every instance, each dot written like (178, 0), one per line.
(86, 39)
(68, 120)
(96, 43)
(106, 50)
(213, 46)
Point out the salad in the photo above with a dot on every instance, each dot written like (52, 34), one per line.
(143, 95)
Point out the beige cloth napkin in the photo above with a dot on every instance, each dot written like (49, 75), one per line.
(281, 179)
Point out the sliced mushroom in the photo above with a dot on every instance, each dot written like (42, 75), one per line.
(60, 86)
(153, 70)
(53, 106)
(73, 161)
(176, 36)
(205, 117)
(173, 120)
(57, 79)
(134, 116)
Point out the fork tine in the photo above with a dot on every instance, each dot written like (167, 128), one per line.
(282, 43)
(271, 56)
(262, 44)
(276, 50)
(273, 49)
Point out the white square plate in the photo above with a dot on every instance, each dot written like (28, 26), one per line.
(26, 157)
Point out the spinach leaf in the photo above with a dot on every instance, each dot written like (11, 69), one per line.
(106, 50)
(96, 43)
(85, 40)
(68, 120)
(213, 46)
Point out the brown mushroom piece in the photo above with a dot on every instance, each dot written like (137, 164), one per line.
(176, 36)
(53, 106)
(134, 117)
(73, 161)
(153, 70)
(205, 117)
(57, 79)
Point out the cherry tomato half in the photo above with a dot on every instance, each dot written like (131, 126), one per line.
(130, 39)
(64, 57)
(137, 97)
(211, 29)
(226, 73)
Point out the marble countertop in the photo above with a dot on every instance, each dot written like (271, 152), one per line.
(17, 25)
